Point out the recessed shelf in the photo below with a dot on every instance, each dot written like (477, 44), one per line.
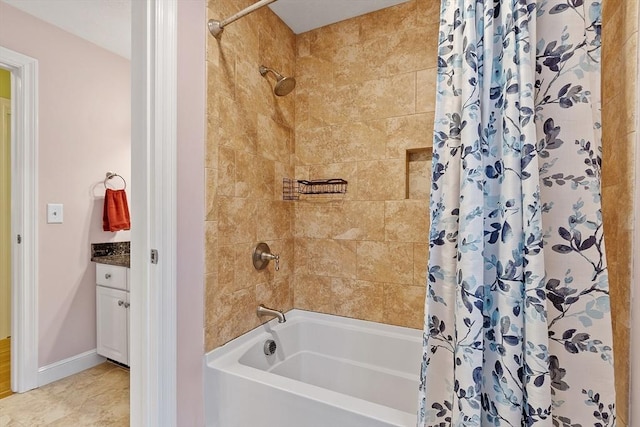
(418, 180)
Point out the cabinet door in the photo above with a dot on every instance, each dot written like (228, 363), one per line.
(112, 322)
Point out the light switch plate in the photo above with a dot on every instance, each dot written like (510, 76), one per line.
(54, 213)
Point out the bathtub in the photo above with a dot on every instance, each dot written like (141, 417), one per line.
(327, 371)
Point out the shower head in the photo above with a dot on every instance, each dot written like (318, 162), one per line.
(284, 85)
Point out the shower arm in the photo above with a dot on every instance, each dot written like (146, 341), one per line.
(216, 27)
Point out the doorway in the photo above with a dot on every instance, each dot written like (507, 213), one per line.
(153, 322)
(5, 233)
(23, 248)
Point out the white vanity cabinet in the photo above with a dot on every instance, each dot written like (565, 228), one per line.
(112, 311)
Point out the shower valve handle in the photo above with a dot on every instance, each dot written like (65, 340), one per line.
(262, 255)
(274, 257)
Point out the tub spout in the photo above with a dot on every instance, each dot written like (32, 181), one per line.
(265, 311)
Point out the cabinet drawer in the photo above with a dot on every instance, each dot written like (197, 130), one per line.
(112, 276)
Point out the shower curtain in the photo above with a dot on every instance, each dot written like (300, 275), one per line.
(517, 320)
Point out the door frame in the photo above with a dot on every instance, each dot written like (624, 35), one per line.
(24, 197)
(153, 327)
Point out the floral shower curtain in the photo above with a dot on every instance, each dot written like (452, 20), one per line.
(517, 321)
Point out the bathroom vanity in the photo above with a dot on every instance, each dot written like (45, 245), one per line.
(112, 305)
(112, 312)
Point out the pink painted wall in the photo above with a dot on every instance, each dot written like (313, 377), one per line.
(84, 131)
(190, 274)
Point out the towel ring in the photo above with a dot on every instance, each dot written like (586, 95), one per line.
(111, 175)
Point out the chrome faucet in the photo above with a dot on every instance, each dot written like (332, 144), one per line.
(265, 311)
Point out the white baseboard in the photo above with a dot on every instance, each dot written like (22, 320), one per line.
(72, 365)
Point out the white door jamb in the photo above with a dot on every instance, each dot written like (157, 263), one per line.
(24, 225)
(153, 222)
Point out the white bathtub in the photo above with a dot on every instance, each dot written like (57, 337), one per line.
(327, 371)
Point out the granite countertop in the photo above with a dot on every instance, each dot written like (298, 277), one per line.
(121, 260)
(112, 253)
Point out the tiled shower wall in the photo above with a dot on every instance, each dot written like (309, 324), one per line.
(249, 150)
(364, 102)
(619, 118)
(365, 96)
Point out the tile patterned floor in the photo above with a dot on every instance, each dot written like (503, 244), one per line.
(96, 397)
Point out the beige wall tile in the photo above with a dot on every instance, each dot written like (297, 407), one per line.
(301, 256)
(238, 126)
(302, 120)
(324, 40)
(403, 51)
(213, 123)
(359, 220)
(314, 146)
(352, 65)
(274, 139)
(630, 83)
(359, 141)
(221, 78)
(387, 21)
(385, 180)
(275, 294)
(312, 292)
(313, 74)
(274, 220)
(388, 262)
(404, 305)
(420, 258)
(225, 257)
(249, 81)
(407, 221)
(612, 34)
(254, 176)
(236, 222)
(226, 172)
(226, 323)
(303, 46)
(385, 97)
(426, 90)
(325, 108)
(211, 188)
(428, 13)
(357, 298)
(210, 247)
(419, 165)
(336, 258)
(314, 220)
(409, 132)
(630, 18)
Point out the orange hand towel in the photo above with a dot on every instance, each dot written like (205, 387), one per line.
(115, 215)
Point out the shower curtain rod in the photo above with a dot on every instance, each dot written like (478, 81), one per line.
(216, 27)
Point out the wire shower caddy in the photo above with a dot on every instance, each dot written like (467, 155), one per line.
(292, 189)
